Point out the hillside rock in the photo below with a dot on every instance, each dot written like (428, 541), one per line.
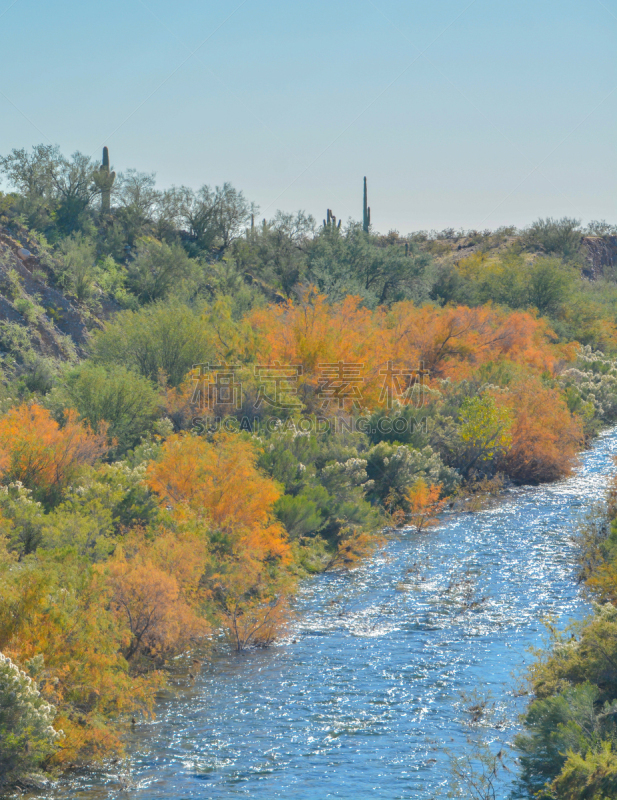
(58, 327)
(600, 255)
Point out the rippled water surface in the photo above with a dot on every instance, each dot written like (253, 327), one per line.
(362, 699)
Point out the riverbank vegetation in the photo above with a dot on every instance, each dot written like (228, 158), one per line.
(568, 748)
(348, 382)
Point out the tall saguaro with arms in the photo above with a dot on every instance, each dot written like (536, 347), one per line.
(105, 180)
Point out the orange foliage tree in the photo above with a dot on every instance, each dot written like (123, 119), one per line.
(150, 602)
(449, 342)
(56, 622)
(41, 454)
(424, 504)
(219, 485)
(545, 437)
(155, 591)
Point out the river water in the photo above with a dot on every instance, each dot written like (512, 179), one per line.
(372, 686)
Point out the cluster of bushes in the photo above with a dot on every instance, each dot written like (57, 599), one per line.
(568, 748)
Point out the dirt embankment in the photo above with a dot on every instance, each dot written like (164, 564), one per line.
(30, 298)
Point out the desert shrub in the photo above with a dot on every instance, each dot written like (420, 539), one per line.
(77, 270)
(27, 736)
(601, 228)
(40, 374)
(29, 310)
(112, 279)
(164, 339)
(394, 469)
(549, 285)
(559, 236)
(157, 269)
(276, 252)
(11, 283)
(125, 400)
(22, 518)
(348, 262)
(16, 342)
(593, 378)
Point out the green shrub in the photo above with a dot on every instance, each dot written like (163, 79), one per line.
(113, 495)
(11, 284)
(592, 776)
(395, 468)
(300, 515)
(23, 518)
(127, 401)
(77, 270)
(593, 377)
(559, 236)
(40, 374)
(15, 340)
(27, 736)
(158, 269)
(566, 722)
(164, 339)
(550, 284)
(29, 311)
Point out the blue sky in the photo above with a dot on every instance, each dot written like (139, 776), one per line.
(461, 114)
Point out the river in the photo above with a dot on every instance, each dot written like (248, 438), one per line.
(370, 687)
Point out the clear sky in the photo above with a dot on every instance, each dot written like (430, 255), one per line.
(460, 114)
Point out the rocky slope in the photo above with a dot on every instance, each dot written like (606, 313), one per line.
(35, 315)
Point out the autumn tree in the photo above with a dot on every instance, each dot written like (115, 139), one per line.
(545, 435)
(424, 504)
(41, 454)
(218, 484)
(151, 603)
(56, 622)
(451, 342)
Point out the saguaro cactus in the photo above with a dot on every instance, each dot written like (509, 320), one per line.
(331, 221)
(366, 216)
(105, 180)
